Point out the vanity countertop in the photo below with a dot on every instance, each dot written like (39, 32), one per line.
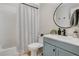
(66, 39)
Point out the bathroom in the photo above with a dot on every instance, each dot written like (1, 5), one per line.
(30, 29)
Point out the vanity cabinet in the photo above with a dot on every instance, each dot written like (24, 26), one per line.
(57, 48)
(49, 50)
(64, 53)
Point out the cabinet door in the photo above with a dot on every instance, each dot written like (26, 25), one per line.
(64, 53)
(49, 50)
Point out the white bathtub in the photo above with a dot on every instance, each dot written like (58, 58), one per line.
(8, 52)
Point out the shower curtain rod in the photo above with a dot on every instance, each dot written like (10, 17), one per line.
(29, 5)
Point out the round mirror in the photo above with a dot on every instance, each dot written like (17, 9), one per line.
(66, 15)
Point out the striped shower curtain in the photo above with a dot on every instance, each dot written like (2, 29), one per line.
(28, 25)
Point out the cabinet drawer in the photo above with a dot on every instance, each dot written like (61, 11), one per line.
(49, 50)
(62, 52)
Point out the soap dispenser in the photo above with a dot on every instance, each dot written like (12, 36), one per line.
(64, 32)
(59, 31)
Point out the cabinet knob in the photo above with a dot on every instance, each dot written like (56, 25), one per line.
(53, 50)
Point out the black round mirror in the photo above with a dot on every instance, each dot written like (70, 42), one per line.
(66, 15)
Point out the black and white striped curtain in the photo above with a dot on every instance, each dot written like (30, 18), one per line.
(28, 25)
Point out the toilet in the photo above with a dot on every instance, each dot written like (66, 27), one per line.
(35, 46)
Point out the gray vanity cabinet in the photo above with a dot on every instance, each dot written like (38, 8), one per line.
(62, 52)
(54, 48)
(49, 50)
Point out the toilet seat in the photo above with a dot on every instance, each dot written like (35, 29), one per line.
(34, 47)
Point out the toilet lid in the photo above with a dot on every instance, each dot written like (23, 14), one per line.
(35, 45)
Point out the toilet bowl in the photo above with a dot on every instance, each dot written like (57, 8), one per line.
(35, 46)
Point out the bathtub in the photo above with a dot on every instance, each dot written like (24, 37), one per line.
(8, 52)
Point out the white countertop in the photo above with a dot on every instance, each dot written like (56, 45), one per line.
(66, 39)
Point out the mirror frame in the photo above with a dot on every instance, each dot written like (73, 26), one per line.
(55, 14)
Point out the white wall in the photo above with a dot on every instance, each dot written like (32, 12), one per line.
(8, 16)
(46, 17)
